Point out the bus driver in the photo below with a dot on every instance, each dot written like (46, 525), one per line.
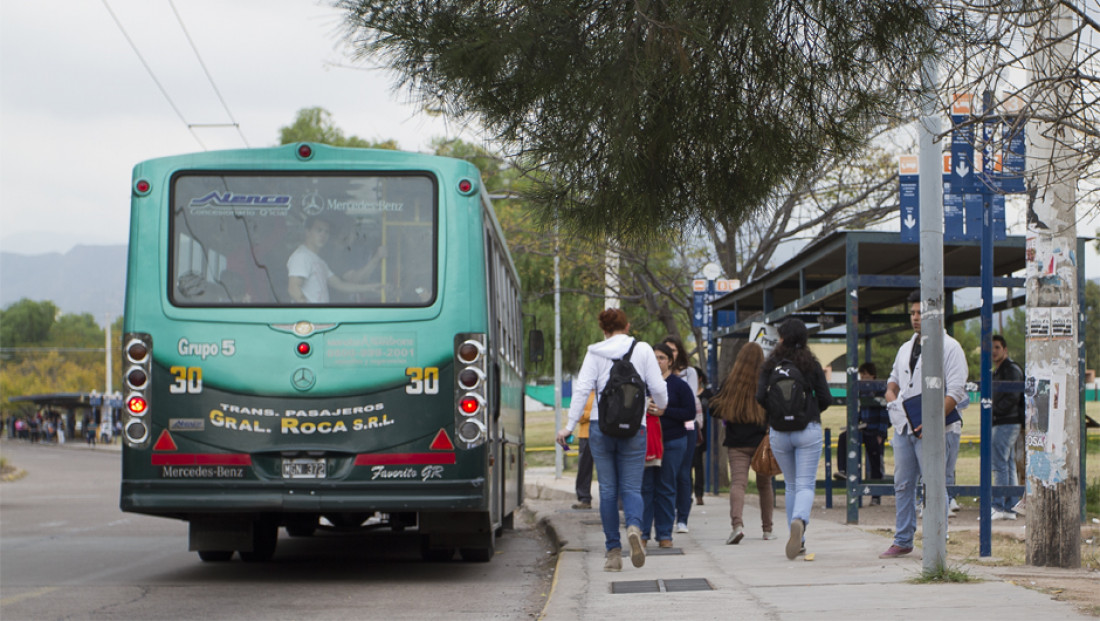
(310, 276)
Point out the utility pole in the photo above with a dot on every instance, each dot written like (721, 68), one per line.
(1053, 371)
(933, 446)
(559, 453)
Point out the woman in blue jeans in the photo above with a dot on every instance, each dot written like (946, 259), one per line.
(660, 484)
(619, 461)
(798, 451)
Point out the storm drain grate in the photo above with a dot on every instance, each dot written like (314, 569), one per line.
(678, 585)
(657, 551)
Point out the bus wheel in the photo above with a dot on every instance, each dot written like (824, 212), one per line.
(215, 556)
(435, 555)
(301, 525)
(476, 555)
(265, 536)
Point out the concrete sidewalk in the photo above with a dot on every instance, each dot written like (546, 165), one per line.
(754, 580)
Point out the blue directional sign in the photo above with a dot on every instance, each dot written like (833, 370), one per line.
(953, 222)
(1011, 179)
(963, 176)
(909, 198)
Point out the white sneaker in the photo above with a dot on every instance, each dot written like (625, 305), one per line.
(1020, 506)
(681, 527)
(1002, 515)
(953, 507)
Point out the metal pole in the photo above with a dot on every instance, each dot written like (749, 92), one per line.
(933, 462)
(559, 455)
(985, 506)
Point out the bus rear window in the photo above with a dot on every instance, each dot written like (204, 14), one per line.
(273, 240)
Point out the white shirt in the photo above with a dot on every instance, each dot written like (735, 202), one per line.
(305, 264)
(596, 369)
(909, 382)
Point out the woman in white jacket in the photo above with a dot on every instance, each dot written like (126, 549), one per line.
(619, 461)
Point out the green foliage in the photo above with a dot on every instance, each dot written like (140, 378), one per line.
(46, 362)
(25, 322)
(645, 116)
(943, 574)
(316, 125)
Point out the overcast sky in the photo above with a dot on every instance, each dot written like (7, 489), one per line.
(78, 109)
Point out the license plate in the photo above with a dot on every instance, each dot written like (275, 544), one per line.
(304, 468)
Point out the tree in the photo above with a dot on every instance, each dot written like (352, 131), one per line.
(316, 125)
(25, 322)
(651, 115)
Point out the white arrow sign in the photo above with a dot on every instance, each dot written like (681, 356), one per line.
(910, 222)
(962, 169)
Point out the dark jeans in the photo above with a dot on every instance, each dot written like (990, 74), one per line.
(873, 444)
(584, 471)
(697, 469)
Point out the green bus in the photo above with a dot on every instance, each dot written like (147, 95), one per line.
(318, 337)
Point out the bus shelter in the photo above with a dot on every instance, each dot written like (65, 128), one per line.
(853, 285)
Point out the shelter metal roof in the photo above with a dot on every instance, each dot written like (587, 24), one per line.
(812, 284)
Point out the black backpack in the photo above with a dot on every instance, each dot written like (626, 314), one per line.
(785, 400)
(622, 400)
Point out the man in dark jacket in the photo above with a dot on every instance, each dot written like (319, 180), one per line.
(1008, 421)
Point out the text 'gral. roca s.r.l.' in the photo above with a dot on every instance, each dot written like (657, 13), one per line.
(293, 423)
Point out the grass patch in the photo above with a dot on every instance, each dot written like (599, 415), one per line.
(944, 574)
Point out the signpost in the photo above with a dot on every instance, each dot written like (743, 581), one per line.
(975, 181)
(704, 292)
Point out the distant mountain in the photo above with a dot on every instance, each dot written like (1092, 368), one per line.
(86, 279)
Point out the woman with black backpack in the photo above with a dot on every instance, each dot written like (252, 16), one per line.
(793, 390)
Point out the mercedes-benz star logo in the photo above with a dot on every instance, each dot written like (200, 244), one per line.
(303, 378)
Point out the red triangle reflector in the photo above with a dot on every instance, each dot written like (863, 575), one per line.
(442, 442)
(165, 442)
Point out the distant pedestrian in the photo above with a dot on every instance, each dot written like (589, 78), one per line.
(746, 427)
(798, 451)
(584, 457)
(1008, 422)
(619, 461)
(684, 487)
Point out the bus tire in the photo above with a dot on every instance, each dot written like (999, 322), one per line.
(265, 537)
(301, 525)
(215, 556)
(435, 554)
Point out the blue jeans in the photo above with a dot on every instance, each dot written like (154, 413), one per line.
(798, 453)
(619, 462)
(684, 491)
(659, 489)
(951, 449)
(1004, 463)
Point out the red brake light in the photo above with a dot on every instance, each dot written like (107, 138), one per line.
(303, 348)
(469, 405)
(465, 186)
(143, 186)
(305, 151)
(136, 405)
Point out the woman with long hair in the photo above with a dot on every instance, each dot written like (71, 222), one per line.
(619, 461)
(746, 425)
(686, 372)
(798, 451)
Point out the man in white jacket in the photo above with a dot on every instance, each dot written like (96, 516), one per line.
(905, 383)
(619, 461)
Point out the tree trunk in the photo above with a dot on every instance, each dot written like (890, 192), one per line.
(1053, 404)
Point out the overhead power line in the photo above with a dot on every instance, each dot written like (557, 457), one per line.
(202, 64)
(153, 75)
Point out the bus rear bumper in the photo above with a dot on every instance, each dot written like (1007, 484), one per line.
(182, 498)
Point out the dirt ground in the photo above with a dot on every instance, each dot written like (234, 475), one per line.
(1009, 551)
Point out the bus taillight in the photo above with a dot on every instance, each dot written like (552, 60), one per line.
(138, 352)
(136, 405)
(471, 389)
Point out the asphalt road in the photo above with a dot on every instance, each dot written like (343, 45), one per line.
(68, 552)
